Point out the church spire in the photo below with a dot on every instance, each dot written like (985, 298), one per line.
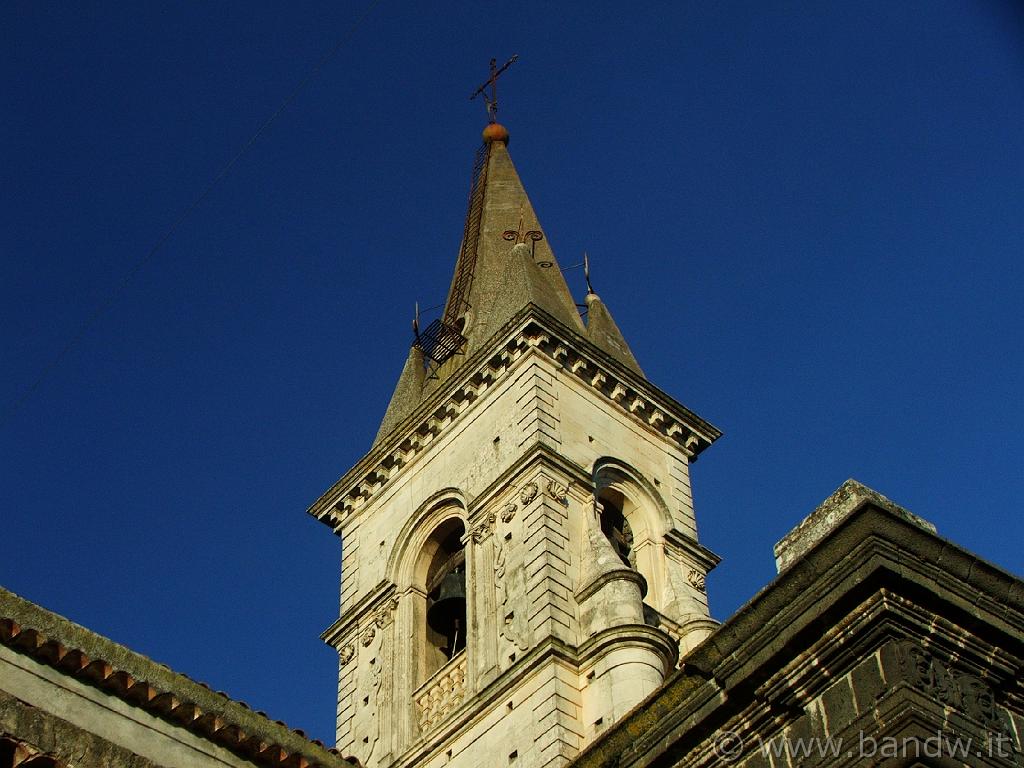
(505, 264)
(506, 261)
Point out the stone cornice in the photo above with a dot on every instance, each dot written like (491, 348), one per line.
(697, 552)
(626, 635)
(382, 600)
(531, 330)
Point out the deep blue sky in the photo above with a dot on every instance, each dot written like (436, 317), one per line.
(806, 218)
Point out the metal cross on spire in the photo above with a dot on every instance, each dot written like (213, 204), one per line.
(491, 102)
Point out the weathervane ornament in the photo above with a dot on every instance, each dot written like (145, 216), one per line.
(586, 272)
(491, 102)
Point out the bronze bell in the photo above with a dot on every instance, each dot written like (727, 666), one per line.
(447, 614)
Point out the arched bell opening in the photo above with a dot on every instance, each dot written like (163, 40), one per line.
(445, 587)
(616, 528)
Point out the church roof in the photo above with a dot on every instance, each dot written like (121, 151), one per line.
(505, 263)
(95, 660)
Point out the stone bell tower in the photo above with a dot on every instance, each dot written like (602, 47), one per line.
(520, 558)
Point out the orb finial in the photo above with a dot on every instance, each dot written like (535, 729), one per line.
(495, 132)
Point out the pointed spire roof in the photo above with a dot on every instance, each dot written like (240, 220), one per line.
(505, 261)
(605, 333)
(407, 395)
(505, 264)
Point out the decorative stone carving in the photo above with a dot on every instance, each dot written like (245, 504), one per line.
(366, 719)
(508, 512)
(924, 672)
(499, 570)
(510, 588)
(978, 700)
(383, 615)
(346, 654)
(697, 579)
(529, 493)
(373, 715)
(968, 693)
(483, 529)
(558, 491)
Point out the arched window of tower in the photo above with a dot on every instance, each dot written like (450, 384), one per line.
(444, 632)
(635, 521)
(617, 529)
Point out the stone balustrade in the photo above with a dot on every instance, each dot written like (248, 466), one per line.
(443, 693)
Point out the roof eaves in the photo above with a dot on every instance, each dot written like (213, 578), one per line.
(95, 660)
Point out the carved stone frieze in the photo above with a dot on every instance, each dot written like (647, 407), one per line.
(367, 635)
(965, 692)
(697, 579)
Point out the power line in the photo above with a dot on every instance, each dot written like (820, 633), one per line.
(105, 305)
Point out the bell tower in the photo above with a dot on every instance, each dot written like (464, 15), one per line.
(520, 558)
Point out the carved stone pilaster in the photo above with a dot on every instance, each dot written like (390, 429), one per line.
(509, 579)
(366, 721)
